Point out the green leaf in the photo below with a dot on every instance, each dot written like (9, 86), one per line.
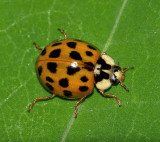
(129, 31)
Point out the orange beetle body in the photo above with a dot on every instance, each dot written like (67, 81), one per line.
(66, 68)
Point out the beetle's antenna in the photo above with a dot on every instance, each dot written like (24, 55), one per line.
(125, 69)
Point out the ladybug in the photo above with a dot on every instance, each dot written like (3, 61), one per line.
(70, 68)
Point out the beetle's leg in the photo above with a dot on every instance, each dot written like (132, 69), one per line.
(110, 96)
(62, 31)
(40, 99)
(124, 86)
(37, 46)
(76, 106)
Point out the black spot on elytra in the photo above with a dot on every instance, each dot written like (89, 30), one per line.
(56, 44)
(88, 68)
(52, 67)
(72, 70)
(83, 88)
(43, 52)
(63, 82)
(49, 87)
(71, 44)
(75, 55)
(49, 79)
(55, 53)
(67, 93)
(91, 47)
(84, 79)
(89, 63)
(40, 70)
(89, 53)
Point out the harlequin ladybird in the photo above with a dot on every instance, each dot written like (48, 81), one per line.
(69, 68)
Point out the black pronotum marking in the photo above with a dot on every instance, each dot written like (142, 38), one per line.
(67, 93)
(40, 70)
(103, 64)
(55, 53)
(43, 52)
(49, 79)
(106, 66)
(91, 47)
(49, 87)
(102, 75)
(72, 44)
(84, 79)
(72, 70)
(56, 44)
(83, 88)
(52, 67)
(75, 55)
(89, 53)
(64, 82)
(100, 61)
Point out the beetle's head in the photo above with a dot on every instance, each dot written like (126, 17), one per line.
(118, 76)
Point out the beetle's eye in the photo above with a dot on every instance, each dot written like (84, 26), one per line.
(116, 68)
(114, 80)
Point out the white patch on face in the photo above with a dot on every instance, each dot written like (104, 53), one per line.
(108, 59)
(104, 84)
(113, 77)
(96, 71)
